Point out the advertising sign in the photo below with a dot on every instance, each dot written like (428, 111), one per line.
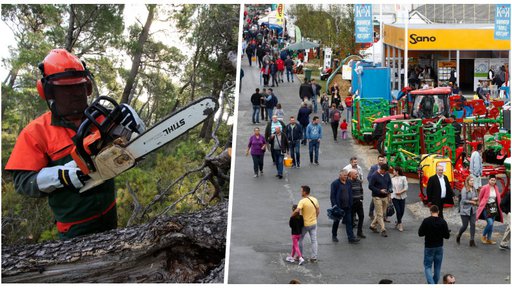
(346, 72)
(444, 39)
(327, 57)
(363, 23)
(280, 14)
(481, 71)
(502, 22)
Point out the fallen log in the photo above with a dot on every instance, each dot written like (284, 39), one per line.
(180, 248)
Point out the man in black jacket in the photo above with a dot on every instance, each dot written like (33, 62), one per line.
(288, 63)
(434, 228)
(303, 118)
(341, 196)
(305, 90)
(439, 191)
(315, 88)
(255, 101)
(271, 102)
(380, 184)
(260, 52)
(357, 201)
(295, 135)
(278, 147)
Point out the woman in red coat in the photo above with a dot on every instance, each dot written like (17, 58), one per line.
(489, 208)
(280, 69)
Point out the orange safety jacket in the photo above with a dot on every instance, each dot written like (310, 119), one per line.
(46, 142)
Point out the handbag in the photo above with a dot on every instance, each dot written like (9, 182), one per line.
(335, 213)
(491, 209)
(391, 210)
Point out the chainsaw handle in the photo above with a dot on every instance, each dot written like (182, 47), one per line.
(92, 113)
(96, 110)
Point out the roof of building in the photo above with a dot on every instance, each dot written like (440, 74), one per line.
(445, 26)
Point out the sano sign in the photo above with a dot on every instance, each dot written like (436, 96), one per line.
(444, 37)
(413, 38)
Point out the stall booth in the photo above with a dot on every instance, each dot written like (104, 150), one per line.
(468, 48)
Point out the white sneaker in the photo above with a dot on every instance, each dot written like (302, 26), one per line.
(301, 260)
(290, 259)
(255, 175)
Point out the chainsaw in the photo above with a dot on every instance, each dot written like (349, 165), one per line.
(103, 151)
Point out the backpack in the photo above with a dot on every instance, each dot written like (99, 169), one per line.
(337, 115)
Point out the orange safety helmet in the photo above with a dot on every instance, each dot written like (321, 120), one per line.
(65, 84)
(62, 68)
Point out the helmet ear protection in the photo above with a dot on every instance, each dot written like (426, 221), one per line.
(40, 88)
(44, 84)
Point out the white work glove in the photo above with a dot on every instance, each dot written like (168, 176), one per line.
(67, 175)
(131, 119)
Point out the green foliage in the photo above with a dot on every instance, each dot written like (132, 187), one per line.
(25, 220)
(95, 34)
(160, 169)
(332, 25)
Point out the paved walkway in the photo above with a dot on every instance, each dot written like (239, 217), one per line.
(260, 236)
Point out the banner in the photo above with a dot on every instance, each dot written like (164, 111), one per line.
(298, 34)
(363, 23)
(502, 22)
(481, 71)
(346, 72)
(280, 14)
(327, 57)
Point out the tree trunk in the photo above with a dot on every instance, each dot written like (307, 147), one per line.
(181, 248)
(143, 37)
(206, 130)
(71, 28)
(11, 78)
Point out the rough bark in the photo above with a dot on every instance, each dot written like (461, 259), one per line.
(219, 167)
(143, 37)
(181, 248)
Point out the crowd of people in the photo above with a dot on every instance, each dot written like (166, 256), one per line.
(388, 185)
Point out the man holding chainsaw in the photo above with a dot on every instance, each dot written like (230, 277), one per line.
(41, 162)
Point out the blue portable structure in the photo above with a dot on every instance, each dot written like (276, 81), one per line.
(371, 80)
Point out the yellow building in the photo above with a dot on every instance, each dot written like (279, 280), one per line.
(469, 48)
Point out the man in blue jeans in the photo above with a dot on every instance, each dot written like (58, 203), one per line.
(279, 146)
(434, 228)
(341, 196)
(314, 135)
(255, 101)
(288, 63)
(316, 92)
(271, 102)
(295, 135)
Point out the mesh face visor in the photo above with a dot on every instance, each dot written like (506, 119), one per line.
(69, 99)
(67, 92)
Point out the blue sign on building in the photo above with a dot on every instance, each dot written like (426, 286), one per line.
(364, 23)
(502, 22)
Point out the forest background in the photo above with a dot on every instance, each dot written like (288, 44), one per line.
(168, 57)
